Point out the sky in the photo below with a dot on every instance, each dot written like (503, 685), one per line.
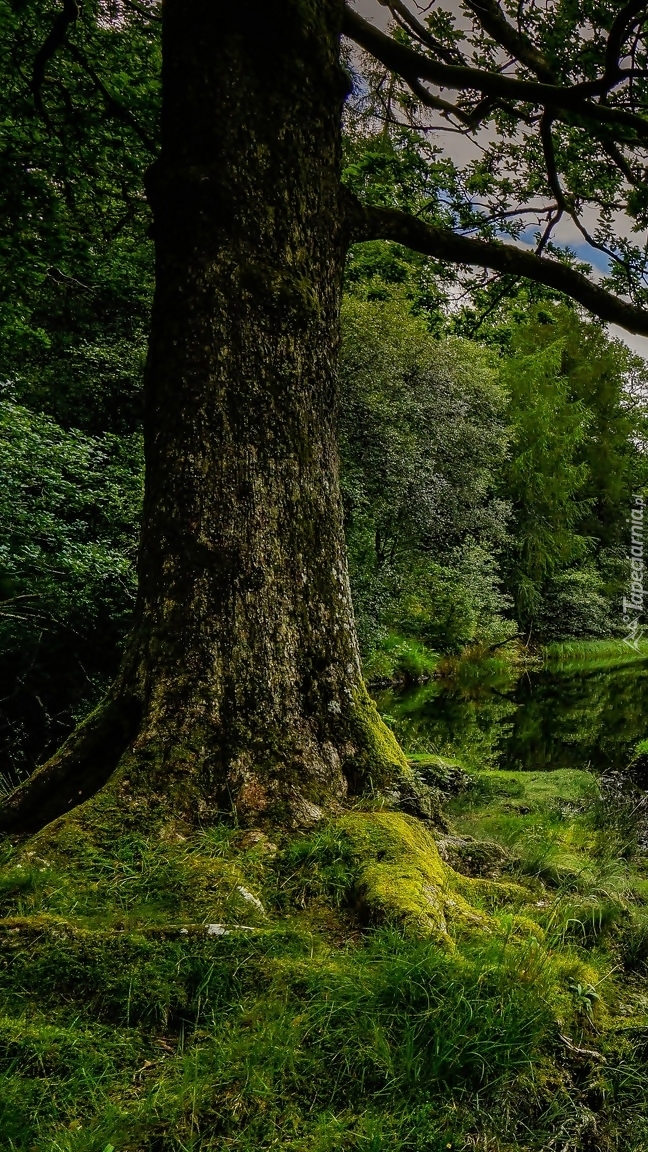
(566, 233)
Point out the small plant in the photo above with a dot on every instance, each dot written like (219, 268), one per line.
(400, 659)
(585, 997)
(620, 815)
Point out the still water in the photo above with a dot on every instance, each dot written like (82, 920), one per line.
(547, 718)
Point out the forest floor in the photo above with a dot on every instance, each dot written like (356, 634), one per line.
(167, 992)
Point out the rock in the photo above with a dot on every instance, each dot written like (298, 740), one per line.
(473, 857)
(422, 802)
(255, 839)
(250, 898)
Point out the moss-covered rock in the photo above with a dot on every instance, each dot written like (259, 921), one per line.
(483, 858)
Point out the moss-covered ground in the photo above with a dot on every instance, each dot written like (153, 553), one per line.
(379, 984)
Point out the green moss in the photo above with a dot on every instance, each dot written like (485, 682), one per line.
(534, 789)
(99, 873)
(379, 760)
(380, 1000)
(402, 878)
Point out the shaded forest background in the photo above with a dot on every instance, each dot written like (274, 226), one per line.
(490, 440)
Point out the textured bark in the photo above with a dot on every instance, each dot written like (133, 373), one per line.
(243, 662)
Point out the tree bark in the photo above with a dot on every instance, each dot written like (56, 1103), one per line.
(242, 682)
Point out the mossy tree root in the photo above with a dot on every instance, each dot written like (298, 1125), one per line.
(402, 878)
(77, 771)
(290, 777)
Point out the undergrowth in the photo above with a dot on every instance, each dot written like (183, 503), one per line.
(400, 659)
(185, 993)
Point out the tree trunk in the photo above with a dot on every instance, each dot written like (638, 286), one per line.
(241, 685)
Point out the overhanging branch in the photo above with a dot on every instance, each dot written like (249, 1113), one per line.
(493, 21)
(369, 223)
(623, 22)
(564, 101)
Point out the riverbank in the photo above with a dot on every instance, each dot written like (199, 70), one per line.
(593, 654)
(583, 706)
(401, 661)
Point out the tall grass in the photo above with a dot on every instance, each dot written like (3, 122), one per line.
(593, 654)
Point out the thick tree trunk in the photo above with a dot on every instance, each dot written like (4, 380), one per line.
(242, 681)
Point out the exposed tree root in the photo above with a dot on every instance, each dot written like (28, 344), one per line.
(77, 771)
(195, 770)
(403, 878)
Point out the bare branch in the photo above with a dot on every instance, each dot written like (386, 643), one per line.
(371, 223)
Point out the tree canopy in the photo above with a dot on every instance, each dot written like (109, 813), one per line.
(528, 117)
(549, 103)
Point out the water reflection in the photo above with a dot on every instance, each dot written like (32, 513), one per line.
(549, 718)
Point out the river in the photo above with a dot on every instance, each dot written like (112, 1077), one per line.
(554, 716)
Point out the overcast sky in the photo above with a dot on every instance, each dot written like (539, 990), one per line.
(566, 233)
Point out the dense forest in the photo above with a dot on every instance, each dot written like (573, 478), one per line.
(323, 746)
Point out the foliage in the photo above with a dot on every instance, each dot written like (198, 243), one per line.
(76, 263)
(577, 415)
(543, 477)
(422, 433)
(69, 509)
(399, 659)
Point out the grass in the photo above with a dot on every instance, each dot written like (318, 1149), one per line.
(592, 655)
(316, 1017)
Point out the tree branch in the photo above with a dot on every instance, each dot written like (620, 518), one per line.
(407, 19)
(431, 101)
(493, 21)
(622, 24)
(54, 40)
(566, 203)
(143, 11)
(616, 156)
(114, 106)
(370, 223)
(411, 65)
